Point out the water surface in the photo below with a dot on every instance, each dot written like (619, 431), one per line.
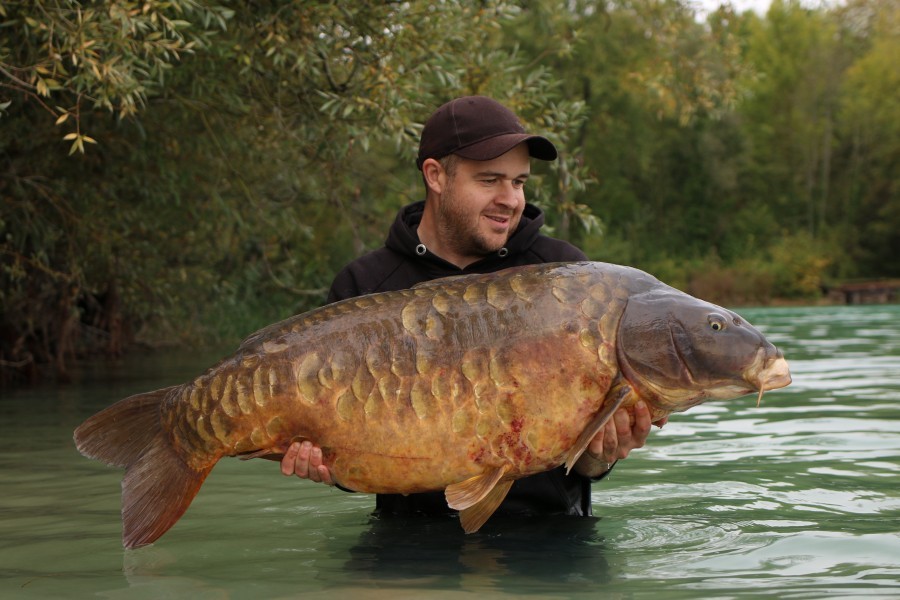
(799, 498)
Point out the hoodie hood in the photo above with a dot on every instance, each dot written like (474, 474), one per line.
(403, 236)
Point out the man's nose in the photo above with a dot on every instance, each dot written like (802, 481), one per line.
(507, 194)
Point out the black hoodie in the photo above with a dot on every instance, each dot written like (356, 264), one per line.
(398, 265)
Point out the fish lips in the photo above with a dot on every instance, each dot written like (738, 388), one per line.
(772, 372)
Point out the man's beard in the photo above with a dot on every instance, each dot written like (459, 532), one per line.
(459, 229)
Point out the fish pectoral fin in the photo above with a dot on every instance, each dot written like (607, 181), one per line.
(464, 494)
(475, 516)
(597, 423)
(275, 453)
(266, 453)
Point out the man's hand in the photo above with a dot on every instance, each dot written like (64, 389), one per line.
(304, 460)
(626, 430)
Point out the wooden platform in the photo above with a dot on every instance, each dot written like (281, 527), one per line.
(883, 291)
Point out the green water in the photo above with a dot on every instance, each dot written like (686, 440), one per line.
(799, 498)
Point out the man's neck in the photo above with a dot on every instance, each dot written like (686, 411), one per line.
(430, 235)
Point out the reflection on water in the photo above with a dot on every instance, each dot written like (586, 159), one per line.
(798, 498)
(571, 551)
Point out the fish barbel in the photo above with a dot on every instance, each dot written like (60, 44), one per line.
(462, 384)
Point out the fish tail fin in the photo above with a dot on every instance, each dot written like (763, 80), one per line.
(156, 492)
(119, 434)
(158, 485)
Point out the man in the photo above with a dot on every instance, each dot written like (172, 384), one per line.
(475, 160)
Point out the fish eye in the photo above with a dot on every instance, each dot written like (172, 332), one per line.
(716, 322)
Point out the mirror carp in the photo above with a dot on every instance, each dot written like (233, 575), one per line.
(461, 384)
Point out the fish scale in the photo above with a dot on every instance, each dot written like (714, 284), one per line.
(463, 384)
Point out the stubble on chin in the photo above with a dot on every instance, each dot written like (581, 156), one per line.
(465, 232)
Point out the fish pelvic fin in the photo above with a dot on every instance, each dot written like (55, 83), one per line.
(475, 516)
(158, 485)
(470, 492)
(610, 406)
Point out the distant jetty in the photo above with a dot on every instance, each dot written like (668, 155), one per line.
(883, 291)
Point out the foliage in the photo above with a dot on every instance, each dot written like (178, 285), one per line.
(173, 171)
(244, 152)
(70, 57)
(868, 190)
(786, 183)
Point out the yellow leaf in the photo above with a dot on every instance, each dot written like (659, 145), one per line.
(88, 139)
(62, 118)
(70, 136)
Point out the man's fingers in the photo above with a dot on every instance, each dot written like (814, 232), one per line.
(632, 428)
(305, 467)
(626, 430)
(622, 419)
(641, 424)
(325, 475)
(304, 460)
(290, 457)
(315, 461)
(610, 441)
(595, 448)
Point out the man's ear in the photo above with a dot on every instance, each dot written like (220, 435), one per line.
(434, 175)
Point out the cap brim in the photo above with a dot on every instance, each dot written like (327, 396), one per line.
(538, 147)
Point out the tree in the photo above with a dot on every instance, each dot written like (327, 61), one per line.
(244, 151)
(867, 213)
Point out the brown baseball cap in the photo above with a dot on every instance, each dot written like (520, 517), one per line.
(477, 128)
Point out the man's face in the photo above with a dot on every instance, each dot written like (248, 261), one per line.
(482, 202)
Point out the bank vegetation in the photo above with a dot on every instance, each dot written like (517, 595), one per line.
(186, 171)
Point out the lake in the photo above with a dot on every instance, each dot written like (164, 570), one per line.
(796, 498)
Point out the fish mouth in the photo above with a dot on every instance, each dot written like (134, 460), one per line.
(773, 373)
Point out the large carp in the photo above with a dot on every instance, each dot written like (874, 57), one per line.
(462, 384)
